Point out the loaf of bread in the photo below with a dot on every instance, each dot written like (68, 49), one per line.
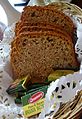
(38, 53)
(43, 42)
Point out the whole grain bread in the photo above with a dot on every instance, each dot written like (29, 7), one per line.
(33, 27)
(42, 28)
(48, 25)
(44, 14)
(38, 53)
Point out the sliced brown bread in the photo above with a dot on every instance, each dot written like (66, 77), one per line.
(42, 28)
(21, 24)
(38, 53)
(33, 27)
(44, 14)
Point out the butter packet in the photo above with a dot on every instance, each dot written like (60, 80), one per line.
(33, 101)
(19, 86)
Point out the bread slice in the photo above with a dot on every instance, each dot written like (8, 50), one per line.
(20, 25)
(42, 28)
(44, 14)
(36, 26)
(38, 53)
(39, 29)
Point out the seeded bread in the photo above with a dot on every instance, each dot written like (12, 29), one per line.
(43, 41)
(42, 28)
(44, 14)
(38, 53)
(39, 16)
(21, 25)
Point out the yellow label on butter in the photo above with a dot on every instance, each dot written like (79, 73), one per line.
(33, 108)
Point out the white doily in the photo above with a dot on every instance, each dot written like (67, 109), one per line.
(61, 91)
(78, 46)
(8, 109)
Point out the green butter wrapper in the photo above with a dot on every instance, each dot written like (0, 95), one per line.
(33, 101)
